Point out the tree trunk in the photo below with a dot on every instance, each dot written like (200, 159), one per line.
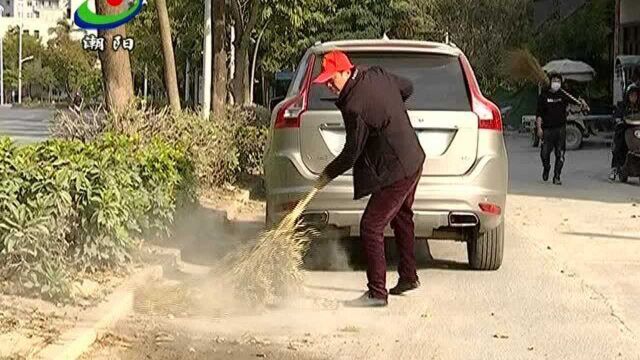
(241, 76)
(244, 26)
(219, 59)
(170, 77)
(116, 65)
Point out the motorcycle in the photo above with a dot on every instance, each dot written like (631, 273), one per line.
(631, 167)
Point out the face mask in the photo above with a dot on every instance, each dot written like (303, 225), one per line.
(555, 86)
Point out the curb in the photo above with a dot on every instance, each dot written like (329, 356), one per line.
(76, 341)
(174, 256)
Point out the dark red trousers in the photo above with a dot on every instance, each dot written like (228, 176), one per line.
(391, 204)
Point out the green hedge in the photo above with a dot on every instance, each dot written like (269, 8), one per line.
(68, 206)
(219, 148)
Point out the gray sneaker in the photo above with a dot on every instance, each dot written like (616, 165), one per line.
(366, 300)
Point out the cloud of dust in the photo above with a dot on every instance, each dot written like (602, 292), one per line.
(206, 237)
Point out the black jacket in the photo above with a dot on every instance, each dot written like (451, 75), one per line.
(381, 145)
(552, 108)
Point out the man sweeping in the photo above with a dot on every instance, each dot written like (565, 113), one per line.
(385, 154)
(551, 124)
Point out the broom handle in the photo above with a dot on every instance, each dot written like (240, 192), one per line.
(571, 97)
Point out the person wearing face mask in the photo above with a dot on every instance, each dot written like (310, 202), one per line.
(551, 125)
(630, 105)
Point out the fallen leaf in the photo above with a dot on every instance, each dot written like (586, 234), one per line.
(219, 340)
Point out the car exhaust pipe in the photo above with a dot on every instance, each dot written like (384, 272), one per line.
(315, 218)
(463, 219)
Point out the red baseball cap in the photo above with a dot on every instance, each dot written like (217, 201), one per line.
(333, 62)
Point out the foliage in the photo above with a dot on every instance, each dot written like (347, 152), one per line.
(69, 206)
(485, 29)
(62, 64)
(73, 67)
(31, 46)
(584, 36)
(187, 32)
(37, 74)
(219, 149)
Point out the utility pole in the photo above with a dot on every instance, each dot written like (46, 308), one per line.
(255, 59)
(186, 82)
(146, 82)
(20, 52)
(616, 32)
(1, 63)
(206, 63)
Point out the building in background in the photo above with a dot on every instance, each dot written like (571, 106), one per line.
(39, 16)
(628, 27)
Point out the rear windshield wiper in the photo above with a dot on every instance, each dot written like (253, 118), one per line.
(332, 99)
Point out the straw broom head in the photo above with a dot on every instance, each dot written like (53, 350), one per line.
(523, 66)
(271, 270)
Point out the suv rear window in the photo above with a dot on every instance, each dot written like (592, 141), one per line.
(301, 70)
(438, 80)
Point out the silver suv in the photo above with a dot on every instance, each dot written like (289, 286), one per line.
(462, 193)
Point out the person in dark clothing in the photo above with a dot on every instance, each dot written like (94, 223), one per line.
(630, 105)
(387, 158)
(551, 124)
(635, 78)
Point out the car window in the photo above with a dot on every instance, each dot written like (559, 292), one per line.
(296, 85)
(438, 80)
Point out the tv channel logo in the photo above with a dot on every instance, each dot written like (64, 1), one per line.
(85, 18)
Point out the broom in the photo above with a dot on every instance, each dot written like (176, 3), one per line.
(523, 66)
(270, 270)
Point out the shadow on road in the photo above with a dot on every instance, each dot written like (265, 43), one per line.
(597, 235)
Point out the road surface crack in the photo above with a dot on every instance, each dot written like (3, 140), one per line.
(612, 311)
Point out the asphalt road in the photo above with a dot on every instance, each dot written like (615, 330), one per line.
(568, 289)
(25, 125)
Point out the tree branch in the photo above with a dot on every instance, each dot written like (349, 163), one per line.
(236, 11)
(251, 23)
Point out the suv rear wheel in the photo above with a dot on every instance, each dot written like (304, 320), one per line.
(485, 250)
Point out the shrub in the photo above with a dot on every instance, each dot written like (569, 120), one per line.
(219, 149)
(71, 206)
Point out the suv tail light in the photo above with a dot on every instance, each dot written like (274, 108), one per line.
(291, 111)
(489, 116)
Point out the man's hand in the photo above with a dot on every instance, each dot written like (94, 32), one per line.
(539, 131)
(322, 181)
(584, 105)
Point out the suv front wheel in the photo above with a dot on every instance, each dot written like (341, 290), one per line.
(485, 250)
